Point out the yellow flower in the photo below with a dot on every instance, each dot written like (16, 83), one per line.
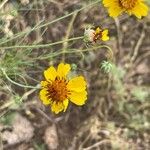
(98, 34)
(101, 34)
(57, 89)
(135, 7)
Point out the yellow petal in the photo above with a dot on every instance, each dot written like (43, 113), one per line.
(50, 74)
(65, 103)
(105, 32)
(77, 84)
(43, 96)
(44, 83)
(139, 10)
(57, 107)
(115, 11)
(97, 31)
(105, 36)
(114, 8)
(108, 3)
(63, 70)
(78, 98)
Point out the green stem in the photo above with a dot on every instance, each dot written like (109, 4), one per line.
(5, 40)
(42, 45)
(77, 51)
(18, 84)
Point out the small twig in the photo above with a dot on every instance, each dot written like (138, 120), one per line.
(25, 96)
(142, 57)
(65, 44)
(133, 61)
(97, 144)
(53, 120)
(85, 140)
(3, 113)
(45, 115)
(119, 37)
(144, 106)
(3, 3)
(11, 102)
(6, 105)
(55, 2)
(1, 144)
(136, 49)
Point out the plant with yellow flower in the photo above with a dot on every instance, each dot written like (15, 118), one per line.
(135, 7)
(57, 89)
(94, 35)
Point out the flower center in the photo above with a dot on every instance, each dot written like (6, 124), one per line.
(97, 34)
(57, 90)
(128, 4)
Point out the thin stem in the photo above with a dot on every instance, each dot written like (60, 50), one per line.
(97, 144)
(5, 40)
(3, 3)
(65, 44)
(18, 84)
(42, 45)
(1, 143)
(77, 51)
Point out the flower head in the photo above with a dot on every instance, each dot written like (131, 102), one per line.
(106, 66)
(94, 35)
(57, 89)
(89, 35)
(135, 7)
(101, 34)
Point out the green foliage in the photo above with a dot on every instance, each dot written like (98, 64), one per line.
(140, 93)
(134, 119)
(74, 67)
(118, 74)
(139, 122)
(14, 13)
(18, 100)
(13, 62)
(118, 71)
(8, 118)
(39, 146)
